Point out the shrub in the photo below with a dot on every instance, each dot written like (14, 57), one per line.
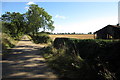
(41, 38)
(100, 58)
(7, 42)
(60, 42)
(67, 65)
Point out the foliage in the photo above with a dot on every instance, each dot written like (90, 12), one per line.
(16, 24)
(13, 24)
(41, 38)
(38, 18)
(89, 32)
(93, 59)
(7, 42)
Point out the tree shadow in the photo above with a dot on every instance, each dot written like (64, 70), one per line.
(25, 40)
(25, 63)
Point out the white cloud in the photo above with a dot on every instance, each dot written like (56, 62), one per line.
(29, 3)
(26, 8)
(60, 17)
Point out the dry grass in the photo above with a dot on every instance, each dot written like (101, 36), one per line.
(80, 36)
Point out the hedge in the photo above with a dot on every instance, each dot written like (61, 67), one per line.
(41, 38)
(102, 55)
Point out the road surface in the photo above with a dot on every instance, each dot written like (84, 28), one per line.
(26, 62)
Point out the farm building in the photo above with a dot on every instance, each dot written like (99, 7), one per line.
(108, 32)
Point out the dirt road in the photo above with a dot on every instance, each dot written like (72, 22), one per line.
(25, 62)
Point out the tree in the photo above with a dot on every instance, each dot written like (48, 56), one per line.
(13, 24)
(35, 18)
(38, 18)
(89, 32)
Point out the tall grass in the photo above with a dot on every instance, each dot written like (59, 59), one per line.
(7, 42)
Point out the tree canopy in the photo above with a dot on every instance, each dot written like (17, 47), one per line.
(15, 23)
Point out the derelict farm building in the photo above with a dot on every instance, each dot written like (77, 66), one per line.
(108, 32)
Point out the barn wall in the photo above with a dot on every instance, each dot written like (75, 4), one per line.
(116, 33)
(108, 31)
(102, 34)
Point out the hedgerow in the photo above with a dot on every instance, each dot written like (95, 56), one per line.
(86, 59)
(41, 38)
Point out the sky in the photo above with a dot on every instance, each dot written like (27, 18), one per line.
(79, 17)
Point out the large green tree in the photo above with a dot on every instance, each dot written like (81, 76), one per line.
(13, 24)
(38, 18)
(34, 19)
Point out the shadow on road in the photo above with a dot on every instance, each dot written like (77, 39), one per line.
(25, 62)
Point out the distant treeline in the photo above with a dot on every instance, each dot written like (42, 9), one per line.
(70, 33)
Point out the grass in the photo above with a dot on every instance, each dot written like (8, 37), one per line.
(29, 37)
(7, 43)
(66, 65)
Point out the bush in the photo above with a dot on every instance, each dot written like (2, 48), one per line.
(60, 42)
(7, 42)
(68, 66)
(41, 38)
(99, 58)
